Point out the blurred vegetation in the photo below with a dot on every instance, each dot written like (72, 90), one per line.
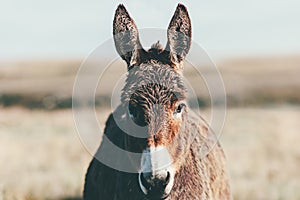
(49, 161)
(248, 81)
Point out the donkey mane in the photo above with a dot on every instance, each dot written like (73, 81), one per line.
(155, 54)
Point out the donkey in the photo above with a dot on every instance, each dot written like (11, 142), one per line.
(169, 137)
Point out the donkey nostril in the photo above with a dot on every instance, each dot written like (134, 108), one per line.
(145, 179)
(149, 182)
(168, 178)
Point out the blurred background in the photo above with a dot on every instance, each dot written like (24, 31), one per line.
(255, 44)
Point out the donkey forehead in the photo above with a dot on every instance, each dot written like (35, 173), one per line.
(153, 71)
(154, 82)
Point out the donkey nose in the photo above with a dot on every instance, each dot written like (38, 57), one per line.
(155, 182)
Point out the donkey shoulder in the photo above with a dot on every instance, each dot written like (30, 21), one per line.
(101, 180)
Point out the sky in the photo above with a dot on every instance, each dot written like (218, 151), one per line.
(73, 28)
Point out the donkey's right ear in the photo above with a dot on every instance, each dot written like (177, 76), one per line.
(126, 37)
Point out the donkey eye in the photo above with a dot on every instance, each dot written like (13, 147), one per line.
(137, 116)
(131, 112)
(179, 108)
(131, 115)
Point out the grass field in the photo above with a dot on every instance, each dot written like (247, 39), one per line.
(248, 81)
(41, 156)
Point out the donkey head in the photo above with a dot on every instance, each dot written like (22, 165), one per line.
(154, 96)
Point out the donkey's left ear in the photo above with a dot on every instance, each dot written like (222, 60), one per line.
(179, 35)
(126, 37)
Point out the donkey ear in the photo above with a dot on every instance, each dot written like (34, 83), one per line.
(179, 35)
(126, 36)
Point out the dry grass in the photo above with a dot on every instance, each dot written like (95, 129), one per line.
(263, 154)
(42, 158)
(247, 80)
(41, 155)
(262, 80)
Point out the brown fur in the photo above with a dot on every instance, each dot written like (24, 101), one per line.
(152, 92)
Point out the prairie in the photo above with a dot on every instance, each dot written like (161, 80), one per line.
(42, 157)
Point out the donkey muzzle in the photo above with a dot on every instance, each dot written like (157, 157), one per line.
(156, 177)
